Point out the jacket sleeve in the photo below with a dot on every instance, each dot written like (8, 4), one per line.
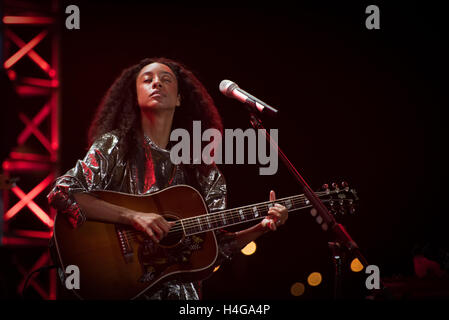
(213, 187)
(94, 172)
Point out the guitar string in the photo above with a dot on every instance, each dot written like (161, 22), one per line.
(205, 220)
(213, 218)
(193, 230)
(232, 214)
(248, 213)
(132, 235)
(199, 222)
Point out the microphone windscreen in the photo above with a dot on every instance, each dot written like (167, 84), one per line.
(226, 86)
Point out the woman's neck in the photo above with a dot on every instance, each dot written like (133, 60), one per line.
(156, 124)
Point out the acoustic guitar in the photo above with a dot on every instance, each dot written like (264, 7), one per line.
(119, 262)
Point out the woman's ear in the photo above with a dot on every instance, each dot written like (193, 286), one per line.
(178, 100)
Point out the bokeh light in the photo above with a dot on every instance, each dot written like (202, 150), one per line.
(250, 248)
(314, 279)
(297, 289)
(356, 265)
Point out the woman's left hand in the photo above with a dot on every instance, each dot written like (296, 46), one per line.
(277, 215)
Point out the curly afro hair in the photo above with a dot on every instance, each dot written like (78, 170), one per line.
(119, 111)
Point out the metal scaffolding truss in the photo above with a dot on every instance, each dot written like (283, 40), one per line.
(31, 57)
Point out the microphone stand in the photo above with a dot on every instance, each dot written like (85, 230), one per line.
(337, 258)
(328, 222)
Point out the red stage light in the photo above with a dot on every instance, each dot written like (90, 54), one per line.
(32, 54)
(36, 132)
(27, 200)
(25, 49)
(27, 20)
(44, 259)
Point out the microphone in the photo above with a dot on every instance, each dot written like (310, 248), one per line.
(232, 90)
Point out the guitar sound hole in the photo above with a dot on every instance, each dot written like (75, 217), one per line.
(175, 235)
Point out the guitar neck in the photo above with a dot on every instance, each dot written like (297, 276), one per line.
(225, 218)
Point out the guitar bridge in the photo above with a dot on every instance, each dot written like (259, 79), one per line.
(125, 244)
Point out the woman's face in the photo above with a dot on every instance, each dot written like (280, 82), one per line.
(157, 87)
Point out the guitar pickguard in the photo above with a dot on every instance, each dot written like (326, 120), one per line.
(155, 259)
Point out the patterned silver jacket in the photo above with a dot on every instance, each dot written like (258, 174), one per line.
(104, 168)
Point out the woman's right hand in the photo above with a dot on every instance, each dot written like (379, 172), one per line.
(98, 210)
(154, 225)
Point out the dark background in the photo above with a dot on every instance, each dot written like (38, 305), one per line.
(365, 106)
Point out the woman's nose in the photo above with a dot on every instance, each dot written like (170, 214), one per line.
(156, 82)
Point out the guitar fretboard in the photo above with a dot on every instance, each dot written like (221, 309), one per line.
(244, 214)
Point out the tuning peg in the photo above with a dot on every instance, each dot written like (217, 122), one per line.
(351, 209)
(345, 185)
(325, 187)
(335, 186)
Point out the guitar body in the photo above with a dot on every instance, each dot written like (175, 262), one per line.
(116, 262)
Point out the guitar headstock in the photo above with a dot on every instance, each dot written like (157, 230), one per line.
(339, 198)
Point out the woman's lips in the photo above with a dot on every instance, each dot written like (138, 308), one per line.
(155, 95)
